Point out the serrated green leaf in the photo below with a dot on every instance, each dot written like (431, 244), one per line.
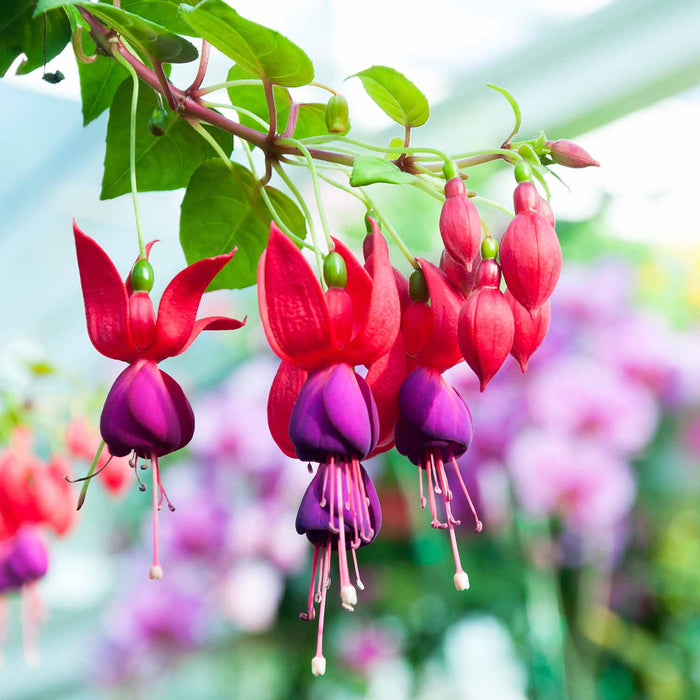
(154, 40)
(222, 209)
(163, 12)
(369, 169)
(261, 51)
(394, 93)
(20, 32)
(99, 81)
(162, 163)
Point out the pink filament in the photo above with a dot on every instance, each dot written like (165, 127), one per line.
(156, 483)
(310, 610)
(479, 524)
(324, 588)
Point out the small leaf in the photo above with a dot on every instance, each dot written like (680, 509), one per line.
(257, 49)
(395, 94)
(222, 209)
(163, 12)
(154, 40)
(162, 163)
(99, 81)
(514, 106)
(370, 169)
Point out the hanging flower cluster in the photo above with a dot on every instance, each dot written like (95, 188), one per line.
(34, 499)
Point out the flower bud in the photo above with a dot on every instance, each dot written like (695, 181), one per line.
(485, 328)
(530, 259)
(530, 329)
(526, 198)
(570, 155)
(337, 114)
(158, 121)
(460, 224)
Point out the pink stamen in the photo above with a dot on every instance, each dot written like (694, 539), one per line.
(331, 468)
(440, 471)
(163, 495)
(342, 551)
(310, 613)
(325, 484)
(156, 570)
(369, 533)
(431, 495)
(134, 464)
(358, 580)
(479, 524)
(352, 496)
(32, 615)
(420, 484)
(322, 606)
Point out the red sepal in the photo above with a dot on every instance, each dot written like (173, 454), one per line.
(283, 395)
(212, 323)
(292, 305)
(380, 317)
(106, 300)
(385, 377)
(442, 351)
(177, 311)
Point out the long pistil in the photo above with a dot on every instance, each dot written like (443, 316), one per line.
(156, 570)
(318, 663)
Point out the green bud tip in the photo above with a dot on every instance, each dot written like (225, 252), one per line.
(335, 272)
(158, 121)
(522, 171)
(489, 248)
(371, 214)
(418, 287)
(450, 170)
(142, 276)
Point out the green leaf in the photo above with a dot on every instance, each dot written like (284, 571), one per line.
(46, 5)
(257, 49)
(395, 94)
(163, 12)
(162, 163)
(154, 40)
(222, 209)
(311, 120)
(99, 81)
(22, 33)
(369, 169)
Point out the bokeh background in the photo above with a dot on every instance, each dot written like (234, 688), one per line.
(585, 581)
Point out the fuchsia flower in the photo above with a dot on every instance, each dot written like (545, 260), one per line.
(570, 154)
(146, 413)
(486, 327)
(530, 253)
(434, 425)
(460, 224)
(319, 408)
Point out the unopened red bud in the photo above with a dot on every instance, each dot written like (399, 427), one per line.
(546, 211)
(530, 329)
(485, 328)
(416, 326)
(457, 274)
(570, 154)
(526, 198)
(460, 224)
(531, 259)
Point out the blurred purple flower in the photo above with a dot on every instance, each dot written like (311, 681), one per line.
(553, 474)
(365, 647)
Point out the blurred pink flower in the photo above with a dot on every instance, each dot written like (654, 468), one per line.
(580, 397)
(554, 474)
(365, 647)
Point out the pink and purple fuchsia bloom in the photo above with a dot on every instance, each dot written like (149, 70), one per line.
(335, 422)
(146, 413)
(434, 429)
